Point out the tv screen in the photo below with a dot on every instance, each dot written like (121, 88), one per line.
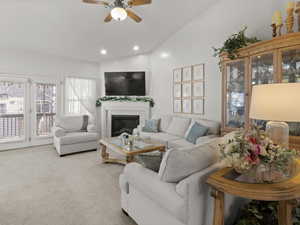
(125, 84)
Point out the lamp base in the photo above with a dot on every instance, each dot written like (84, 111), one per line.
(278, 132)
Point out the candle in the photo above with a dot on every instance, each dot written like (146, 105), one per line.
(290, 5)
(274, 19)
(278, 18)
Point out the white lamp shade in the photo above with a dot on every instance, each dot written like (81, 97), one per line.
(118, 13)
(276, 102)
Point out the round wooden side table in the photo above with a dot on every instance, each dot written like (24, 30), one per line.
(225, 181)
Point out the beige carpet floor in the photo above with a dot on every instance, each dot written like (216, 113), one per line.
(37, 187)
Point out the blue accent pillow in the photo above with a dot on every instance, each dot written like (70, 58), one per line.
(197, 130)
(151, 126)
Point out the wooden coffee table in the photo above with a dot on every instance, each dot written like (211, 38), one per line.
(138, 148)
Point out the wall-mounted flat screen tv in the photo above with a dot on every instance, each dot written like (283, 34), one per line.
(125, 83)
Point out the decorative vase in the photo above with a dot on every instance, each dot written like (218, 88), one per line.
(268, 173)
(290, 20)
(297, 11)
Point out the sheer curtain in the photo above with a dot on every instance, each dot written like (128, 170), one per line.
(80, 96)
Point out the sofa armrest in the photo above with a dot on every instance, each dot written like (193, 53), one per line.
(91, 128)
(196, 179)
(197, 193)
(147, 182)
(58, 132)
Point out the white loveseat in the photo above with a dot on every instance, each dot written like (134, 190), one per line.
(68, 136)
(176, 139)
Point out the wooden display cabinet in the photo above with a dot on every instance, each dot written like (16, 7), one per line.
(265, 62)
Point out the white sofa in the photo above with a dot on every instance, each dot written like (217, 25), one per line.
(69, 138)
(178, 140)
(149, 200)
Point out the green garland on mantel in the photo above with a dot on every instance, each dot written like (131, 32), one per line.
(124, 99)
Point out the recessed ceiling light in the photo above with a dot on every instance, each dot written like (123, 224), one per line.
(136, 48)
(164, 55)
(103, 52)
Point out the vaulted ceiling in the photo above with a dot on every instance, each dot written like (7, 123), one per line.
(72, 29)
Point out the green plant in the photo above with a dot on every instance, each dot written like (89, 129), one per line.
(125, 99)
(263, 213)
(234, 43)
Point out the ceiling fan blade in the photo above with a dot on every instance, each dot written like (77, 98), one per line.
(133, 16)
(108, 18)
(139, 2)
(97, 2)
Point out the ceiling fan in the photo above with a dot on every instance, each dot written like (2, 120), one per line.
(120, 9)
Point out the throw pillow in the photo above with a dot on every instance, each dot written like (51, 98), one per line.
(179, 126)
(179, 164)
(151, 160)
(151, 126)
(85, 123)
(195, 131)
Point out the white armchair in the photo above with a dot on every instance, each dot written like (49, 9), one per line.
(69, 136)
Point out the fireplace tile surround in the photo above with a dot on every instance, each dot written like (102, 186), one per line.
(109, 109)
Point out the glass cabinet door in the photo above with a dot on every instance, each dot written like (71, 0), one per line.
(235, 88)
(262, 72)
(291, 74)
(291, 66)
(262, 69)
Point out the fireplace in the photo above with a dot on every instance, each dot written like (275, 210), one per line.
(123, 123)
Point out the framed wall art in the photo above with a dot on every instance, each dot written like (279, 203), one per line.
(177, 106)
(198, 89)
(189, 89)
(187, 74)
(177, 75)
(198, 72)
(187, 106)
(198, 106)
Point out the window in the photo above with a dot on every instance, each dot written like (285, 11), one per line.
(12, 103)
(45, 101)
(80, 96)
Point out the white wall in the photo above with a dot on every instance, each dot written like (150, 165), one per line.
(29, 63)
(193, 45)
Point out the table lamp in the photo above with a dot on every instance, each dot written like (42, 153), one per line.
(276, 103)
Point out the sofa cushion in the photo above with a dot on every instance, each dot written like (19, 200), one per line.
(69, 123)
(213, 126)
(195, 131)
(179, 126)
(78, 137)
(151, 126)
(163, 138)
(58, 131)
(162, 193)
(165, 121)
(180, 143)
(178, 164)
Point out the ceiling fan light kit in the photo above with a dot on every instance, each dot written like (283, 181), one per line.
(120, 9)
(118, 13)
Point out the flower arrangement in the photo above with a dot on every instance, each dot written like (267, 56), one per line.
(252, 150)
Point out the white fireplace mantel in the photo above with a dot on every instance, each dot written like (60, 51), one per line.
(110, 108)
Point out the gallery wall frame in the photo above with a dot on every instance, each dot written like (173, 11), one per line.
(189, 89)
